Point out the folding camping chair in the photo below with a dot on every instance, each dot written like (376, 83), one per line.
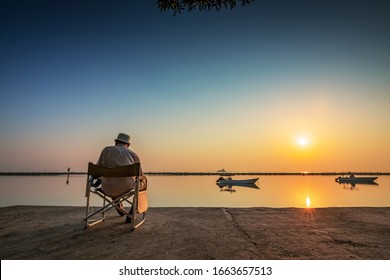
(136, 197)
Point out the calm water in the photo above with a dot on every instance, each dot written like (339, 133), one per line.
(201, 191)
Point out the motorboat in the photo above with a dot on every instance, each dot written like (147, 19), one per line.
(356, 180)
(230, 182)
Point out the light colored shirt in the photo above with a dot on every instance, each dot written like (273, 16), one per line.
(113, 156)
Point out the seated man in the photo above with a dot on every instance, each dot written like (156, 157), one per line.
(113, 156)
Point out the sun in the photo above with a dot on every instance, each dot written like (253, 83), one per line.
(303, 141)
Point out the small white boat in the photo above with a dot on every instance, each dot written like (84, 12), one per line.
(356, 180)
(231, 182)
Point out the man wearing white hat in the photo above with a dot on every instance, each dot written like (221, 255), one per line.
(113, 156)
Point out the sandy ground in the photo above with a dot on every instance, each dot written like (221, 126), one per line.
(35, 232)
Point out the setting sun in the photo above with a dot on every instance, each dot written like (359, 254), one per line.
(303, 141)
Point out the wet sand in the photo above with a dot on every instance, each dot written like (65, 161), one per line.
(40, 232)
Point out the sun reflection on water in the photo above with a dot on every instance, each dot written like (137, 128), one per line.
(308, 202)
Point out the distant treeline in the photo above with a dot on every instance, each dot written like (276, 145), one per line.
(209, 173)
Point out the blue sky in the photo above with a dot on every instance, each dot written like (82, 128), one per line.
(195, 91)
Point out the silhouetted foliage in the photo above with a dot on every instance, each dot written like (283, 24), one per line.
(201, 5)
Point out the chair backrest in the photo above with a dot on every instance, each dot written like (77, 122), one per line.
(119, 171)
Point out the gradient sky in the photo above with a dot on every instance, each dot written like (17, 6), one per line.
(273, 86)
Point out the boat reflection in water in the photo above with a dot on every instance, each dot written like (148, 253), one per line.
(228, 184)
(221, 181)
(352, 181)
(227, 189)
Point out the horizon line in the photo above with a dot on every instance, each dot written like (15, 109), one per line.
(187, 173)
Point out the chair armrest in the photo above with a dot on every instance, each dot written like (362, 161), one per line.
(144, 183)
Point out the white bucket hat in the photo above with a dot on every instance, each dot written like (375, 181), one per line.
(124, 138)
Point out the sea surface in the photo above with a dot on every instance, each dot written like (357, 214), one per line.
(201, 191)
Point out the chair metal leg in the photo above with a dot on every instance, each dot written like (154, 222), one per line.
(107, 205)
(141, 222)
(131, 197)
(89, 222)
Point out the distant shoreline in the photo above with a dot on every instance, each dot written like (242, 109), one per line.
(208, 173)
(40, 173)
